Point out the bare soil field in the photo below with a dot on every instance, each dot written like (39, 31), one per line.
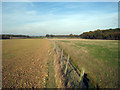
(99, 58)
(24, 63)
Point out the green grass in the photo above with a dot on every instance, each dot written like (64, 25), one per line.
(65, 41)
(105, 51)
(98, 57)
(51, 82)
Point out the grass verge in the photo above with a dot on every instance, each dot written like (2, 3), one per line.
(98, 57)
(51, 74)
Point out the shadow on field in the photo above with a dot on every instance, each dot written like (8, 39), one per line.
(67, 74)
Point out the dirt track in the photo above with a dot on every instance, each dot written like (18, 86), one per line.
(24, 63)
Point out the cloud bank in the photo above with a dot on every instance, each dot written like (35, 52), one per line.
(58, 18)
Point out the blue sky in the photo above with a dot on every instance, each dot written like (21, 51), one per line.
(41, 18)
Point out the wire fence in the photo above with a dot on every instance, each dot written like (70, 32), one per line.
(75, 77)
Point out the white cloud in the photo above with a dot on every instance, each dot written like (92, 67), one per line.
(32, 22)
(75, 24)
(31, 12)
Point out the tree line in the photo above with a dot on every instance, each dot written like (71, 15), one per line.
(10, 36)
(110, 34)
(70, 35)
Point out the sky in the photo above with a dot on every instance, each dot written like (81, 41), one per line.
(41, 18)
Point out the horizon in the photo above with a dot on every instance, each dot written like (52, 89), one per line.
(58, 18)
(55, 34)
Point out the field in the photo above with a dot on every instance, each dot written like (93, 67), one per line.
(32, 62)
(25, 63)
(99, 58)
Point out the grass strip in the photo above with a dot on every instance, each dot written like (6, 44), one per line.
(51, 82)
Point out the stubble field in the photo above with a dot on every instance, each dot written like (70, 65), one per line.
(24, 63)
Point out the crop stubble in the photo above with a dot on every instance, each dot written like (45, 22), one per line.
(24, 62)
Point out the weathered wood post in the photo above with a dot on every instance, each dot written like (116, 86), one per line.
(81, 78)
(56, 47)
(62, 54)
(67, 64)
(54, 44)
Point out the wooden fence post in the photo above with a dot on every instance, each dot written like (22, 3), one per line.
(56, 47)
(62, 54)
(81, 78)
(67, 64)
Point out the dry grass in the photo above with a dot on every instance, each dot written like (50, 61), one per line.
(24, 62)
(98, 57)
(59, 71)
(72, 39)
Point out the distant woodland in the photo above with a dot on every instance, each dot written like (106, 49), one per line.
(112, 34)
(10, 36)
(108, 34)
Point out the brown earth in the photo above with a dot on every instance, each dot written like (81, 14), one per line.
(24, 63)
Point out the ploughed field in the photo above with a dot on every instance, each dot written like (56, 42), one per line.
(99, 58)
(24, 62)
